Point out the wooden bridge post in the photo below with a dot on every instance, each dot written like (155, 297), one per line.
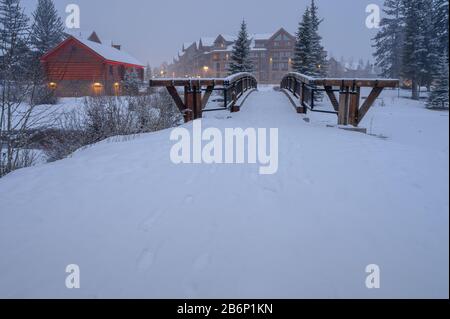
(234, 107)
(189, 103)
(302, 109)
(194, 101)
(353, 108)
(343, 106)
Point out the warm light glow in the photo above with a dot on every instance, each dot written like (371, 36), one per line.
(52, 85)
(97, 85)
(271, 59)
(206, 68)
(117, 84)
(162, 72)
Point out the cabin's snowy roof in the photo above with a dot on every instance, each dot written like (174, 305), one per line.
(108, 52)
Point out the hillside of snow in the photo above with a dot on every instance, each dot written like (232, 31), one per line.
(140, 226)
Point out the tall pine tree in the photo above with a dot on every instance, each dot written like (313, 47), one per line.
(13, 40)
(48, 29)
(240, 57)
(318, 52)
(440, 25)
(389, 40)
(303, 60)
(413, 44)
(439, 95)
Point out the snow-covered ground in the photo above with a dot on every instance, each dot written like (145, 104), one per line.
(140, 226)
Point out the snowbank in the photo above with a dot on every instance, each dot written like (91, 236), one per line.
(139, 226)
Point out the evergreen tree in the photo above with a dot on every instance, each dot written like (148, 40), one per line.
(13, 41)
(413, 44)
(439, 95)
(240, 58)
(440, 25)
(48, 29)
(389, 40)
(148, 72)
(429, 57)
(131, 82)
(318, 52)
(303, 60)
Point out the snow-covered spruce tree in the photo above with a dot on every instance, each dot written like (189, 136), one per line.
(47, 32)
(430, 60)
(441, 24)
(303, 60)
(420, 51)
(16, 117)
(413, 44)
(389, 40)
(48, 29)
(439, 95)
(148, 72)
(131, 83)
(318, 52)
(240, 57)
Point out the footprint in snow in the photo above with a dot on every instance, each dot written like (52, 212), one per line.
(145, 260)
(148, 223)
(202, 262)
(189, 199)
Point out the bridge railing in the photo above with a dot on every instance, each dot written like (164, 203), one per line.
(347, 106)
(197, 92)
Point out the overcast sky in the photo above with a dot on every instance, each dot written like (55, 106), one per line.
(153, 31)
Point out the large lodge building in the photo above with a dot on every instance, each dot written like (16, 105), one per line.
(210, 57)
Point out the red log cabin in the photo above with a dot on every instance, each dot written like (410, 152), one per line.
(80, 67)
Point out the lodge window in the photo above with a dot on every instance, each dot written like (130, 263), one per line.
(218, 66)
(276, 66)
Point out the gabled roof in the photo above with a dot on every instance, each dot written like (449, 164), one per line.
(262, 36)
(207, 41)
(105, 51)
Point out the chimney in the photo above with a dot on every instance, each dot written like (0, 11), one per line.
(94, 38)
(116, 46)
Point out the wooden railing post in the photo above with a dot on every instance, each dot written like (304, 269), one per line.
(188, 102)
(343, 106)
(234, 107)
(197, 92)
(353, 107)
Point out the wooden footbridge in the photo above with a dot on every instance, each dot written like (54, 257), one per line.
(301, 90)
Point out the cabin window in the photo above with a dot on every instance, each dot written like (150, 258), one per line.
(111, 70)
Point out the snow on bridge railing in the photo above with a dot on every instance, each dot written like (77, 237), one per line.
(194, 102)
(347, 107)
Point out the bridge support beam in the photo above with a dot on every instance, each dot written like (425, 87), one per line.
(347, 106)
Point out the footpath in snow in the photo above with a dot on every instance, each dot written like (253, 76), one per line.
(139, 226)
